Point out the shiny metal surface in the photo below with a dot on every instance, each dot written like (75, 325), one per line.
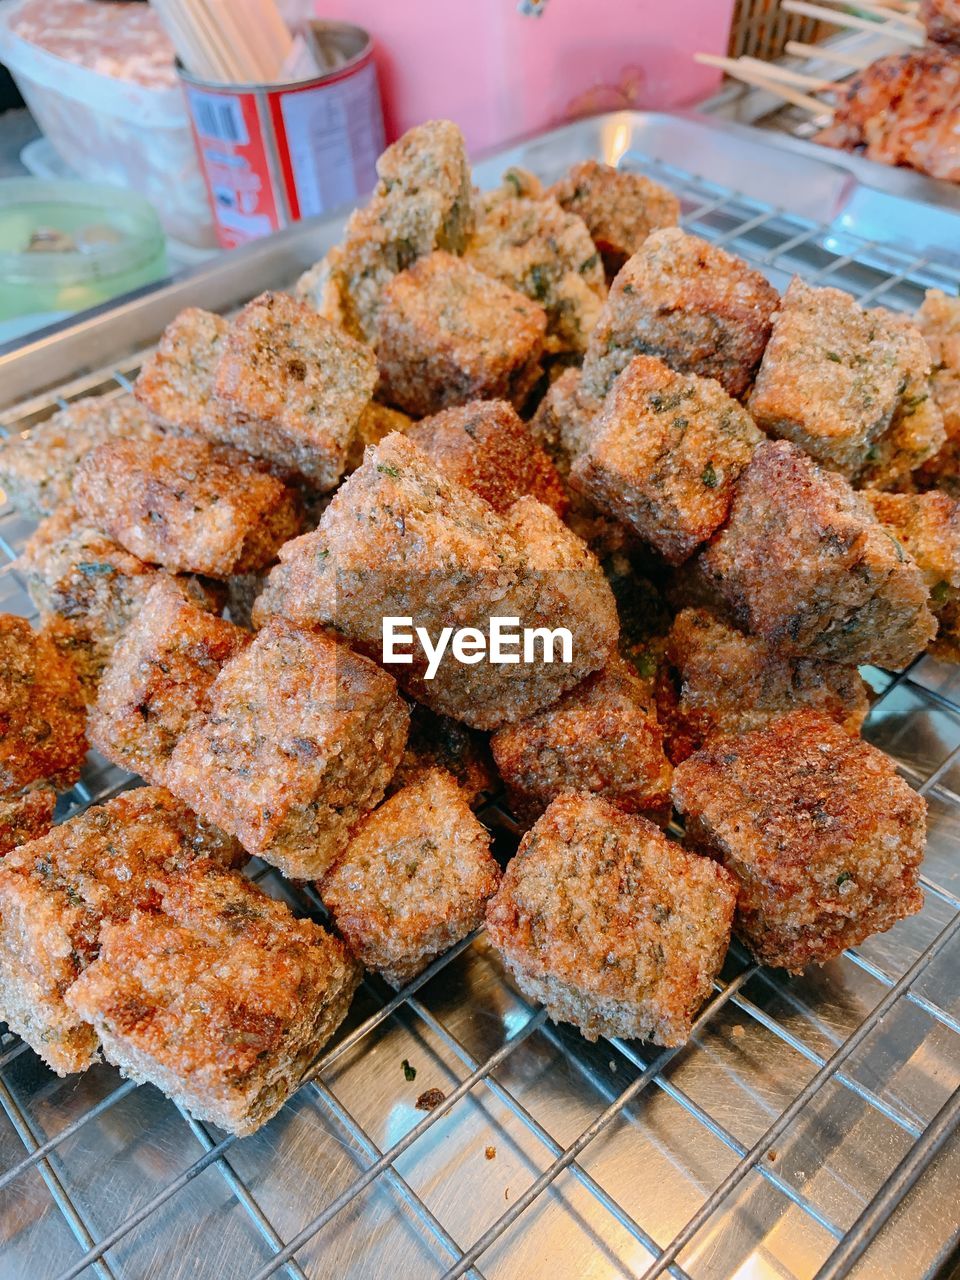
(809, 1127)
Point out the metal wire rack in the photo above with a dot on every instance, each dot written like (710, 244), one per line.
(788, 1138)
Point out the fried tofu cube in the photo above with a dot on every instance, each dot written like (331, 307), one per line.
(291, 387)
(611, 925)
(376, 423)
(619, 208)
(42, 711)
(449, 334)
(728, 683)
(939, 321)
(37, 467)
(158, 682)
(664, 455)
(602, 737)
(26, 817)
(486, 447)
(401, 540)
(928, 526)
(175, 384)
(693, 305)
(835, 375)
(187, 505)
(88, 588)
(437, 742)
(537, 248)
(804, 563)
(423, 201)
(222, 998)
(57, 892)
(301, 738)
(414, 879)
(822, 835)
(563, 419)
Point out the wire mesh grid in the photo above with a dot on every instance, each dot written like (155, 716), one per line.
(780, 1141)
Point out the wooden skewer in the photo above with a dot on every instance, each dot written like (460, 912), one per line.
(882, 11)
(901, 6)
(856, 58)
(836, 19)
(789, 75)
(750, 75)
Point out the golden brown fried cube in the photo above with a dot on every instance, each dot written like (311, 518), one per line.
(939, 322)
(664, 454)
(176, 383)
(449, 334)
(290, 387)
(698, 308)
(158, 682)
(619, 208)
(187, 505)
(822, 835)
(88, 588)
(728, 683)
(537, 248)
(563, 419)
(41, 710)
(414, 878)
(301, 738)
(376, 422)
(602, 737)
(610, 924)
(37, 467)
(834, 377)
(928, 526)
(400, 540)
(485, 446)
(222, 998)
(422, 202)
(57, 892)
(26, 817)
(437, 742)
(804, 563)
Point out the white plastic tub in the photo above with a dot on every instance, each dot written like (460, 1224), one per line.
(113, 130)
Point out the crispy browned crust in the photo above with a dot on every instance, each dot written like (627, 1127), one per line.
(187, 505)
(176, 383)
(221, 998)
(437, 742)
(823, 836)
(449, 334)
(88, 588)
(602, 737)
(695, 306)
(57, 892)
(423, 201)
(376, 422)
(291, 387)
(928, 526)
(485, 446)
(804, 563)
(544, 252)
(728, 683)
(848, 385)
(37, 468)
(619, 208)
(301, 739)
(41, 710)
(611, 925)
(399, 539)
(26, 817)
(939, 321)
(414, 878)
(158, 682)
(664, 454)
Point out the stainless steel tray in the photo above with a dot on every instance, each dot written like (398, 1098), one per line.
(808, 1129)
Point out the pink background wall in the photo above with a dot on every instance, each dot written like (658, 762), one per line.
(500, 73)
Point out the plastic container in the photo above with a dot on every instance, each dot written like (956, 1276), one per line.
(67, 246)
(114, 130)
(503, 69)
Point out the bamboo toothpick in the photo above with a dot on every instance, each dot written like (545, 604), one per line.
(762, 80)
(886, 13)
(837, 19)
(856, 58)
(789, 75)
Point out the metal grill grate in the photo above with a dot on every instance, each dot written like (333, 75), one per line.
(779, 1142)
